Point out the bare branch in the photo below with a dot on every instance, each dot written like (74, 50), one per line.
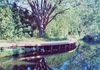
(51, 10)
(41, 4)
(60, 12)
(60, 1)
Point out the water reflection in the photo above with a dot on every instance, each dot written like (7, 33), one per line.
(9, 63)
(86, 57)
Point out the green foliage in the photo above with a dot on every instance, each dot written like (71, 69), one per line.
(9, 28)
(6, 24)
(58, 28)
(80, 21)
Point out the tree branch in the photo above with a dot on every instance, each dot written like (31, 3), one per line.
(60, 1)
(60, 12)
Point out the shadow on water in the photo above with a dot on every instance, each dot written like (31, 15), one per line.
(92, 39)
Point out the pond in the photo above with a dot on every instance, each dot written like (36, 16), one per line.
(85, 57)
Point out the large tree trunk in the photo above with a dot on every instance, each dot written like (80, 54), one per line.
(42, 31)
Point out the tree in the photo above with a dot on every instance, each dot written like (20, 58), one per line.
(6, 23)
(41, 14)
(89, 13)
(44, 12)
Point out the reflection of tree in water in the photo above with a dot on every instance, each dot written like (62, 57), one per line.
(86, 58)
(38, 65)
(15, 67)
(15, 53)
